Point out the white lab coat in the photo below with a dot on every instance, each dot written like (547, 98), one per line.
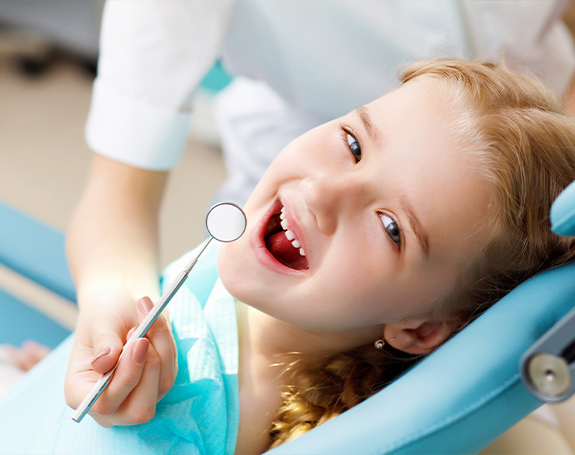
(315, 60)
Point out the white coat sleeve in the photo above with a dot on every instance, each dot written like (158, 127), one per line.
(153, 54)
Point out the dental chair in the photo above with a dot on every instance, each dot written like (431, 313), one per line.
(515, 357)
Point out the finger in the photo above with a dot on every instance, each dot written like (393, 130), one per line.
(161, 338)
(27, 356)
(80, 381)
(15, 356)
(36, 351)
(125, 378)
(130, 333)
(107, 349)
(80, 377)
(140, 405)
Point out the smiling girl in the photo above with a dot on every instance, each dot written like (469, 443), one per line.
(371, 240)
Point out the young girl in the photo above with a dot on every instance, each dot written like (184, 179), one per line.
(370, 241)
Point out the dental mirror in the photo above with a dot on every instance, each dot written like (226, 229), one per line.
(225, 222)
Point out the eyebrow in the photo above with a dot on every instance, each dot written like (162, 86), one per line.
(372, 131)
(421, 234)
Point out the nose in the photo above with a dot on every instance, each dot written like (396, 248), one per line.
(330, 197)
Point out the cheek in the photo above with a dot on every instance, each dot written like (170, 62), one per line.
(376, 286)
(355, 281)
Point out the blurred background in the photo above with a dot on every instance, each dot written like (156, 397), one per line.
(48, 59)
(48, 55)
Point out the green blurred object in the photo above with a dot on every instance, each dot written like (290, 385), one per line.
(216, 79)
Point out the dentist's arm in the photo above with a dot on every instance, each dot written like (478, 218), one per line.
(112, 250)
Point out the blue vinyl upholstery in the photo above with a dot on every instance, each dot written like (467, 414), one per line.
(35, 251)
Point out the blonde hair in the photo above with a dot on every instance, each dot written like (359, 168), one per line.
(524, 144)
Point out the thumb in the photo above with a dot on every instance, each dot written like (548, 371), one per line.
(107, 349)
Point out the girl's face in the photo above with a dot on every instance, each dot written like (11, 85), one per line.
(382, 207)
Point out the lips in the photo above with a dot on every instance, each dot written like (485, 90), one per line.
(282, 242)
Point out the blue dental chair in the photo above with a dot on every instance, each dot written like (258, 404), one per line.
(457, 400)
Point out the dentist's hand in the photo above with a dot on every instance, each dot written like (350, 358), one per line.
(144, 375)
(112, 250)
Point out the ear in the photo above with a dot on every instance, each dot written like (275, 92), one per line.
(419, 336)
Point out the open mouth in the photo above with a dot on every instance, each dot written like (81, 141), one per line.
(282, 243)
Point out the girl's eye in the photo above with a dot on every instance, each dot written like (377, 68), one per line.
(354, 147)
(392, 228)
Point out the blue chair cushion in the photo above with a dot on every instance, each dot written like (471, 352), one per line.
(20, 322)
(35, 250)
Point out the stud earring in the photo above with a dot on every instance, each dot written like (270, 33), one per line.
(379, 344)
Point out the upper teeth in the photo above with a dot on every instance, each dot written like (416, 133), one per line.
(289, 234)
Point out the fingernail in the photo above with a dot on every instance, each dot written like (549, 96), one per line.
(130, 333)
(145, 305)
(140, 350)
(103, 352)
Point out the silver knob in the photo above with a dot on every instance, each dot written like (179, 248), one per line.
(549, 374)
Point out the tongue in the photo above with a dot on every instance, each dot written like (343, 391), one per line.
(284, 252)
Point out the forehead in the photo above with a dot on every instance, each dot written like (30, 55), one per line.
(422, 97)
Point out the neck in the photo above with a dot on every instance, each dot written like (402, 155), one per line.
(267, 366)
(260, 387)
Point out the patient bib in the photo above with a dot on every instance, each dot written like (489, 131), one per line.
(199, 415)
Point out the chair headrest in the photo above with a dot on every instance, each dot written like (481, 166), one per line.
(563, 212)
